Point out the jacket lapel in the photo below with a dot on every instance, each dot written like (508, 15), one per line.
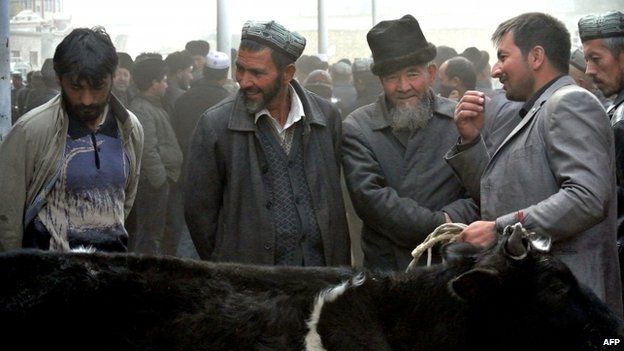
(533, 112)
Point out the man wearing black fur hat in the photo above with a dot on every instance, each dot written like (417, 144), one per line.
(393, 150)
(263, 182)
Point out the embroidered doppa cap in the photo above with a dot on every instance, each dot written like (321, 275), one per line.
(606, 25)
(275, 36)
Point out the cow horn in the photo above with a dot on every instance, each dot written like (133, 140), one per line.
(515, 246)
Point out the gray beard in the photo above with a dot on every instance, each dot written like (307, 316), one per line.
(408, 118)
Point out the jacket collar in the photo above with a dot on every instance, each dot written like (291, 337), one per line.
(558, 84)
(241, 120)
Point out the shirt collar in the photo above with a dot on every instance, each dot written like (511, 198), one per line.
(294, 115)
(107, 126)
(529, 103)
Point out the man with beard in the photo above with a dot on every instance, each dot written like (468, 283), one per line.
(70, 167)
(393, 150)
(603, 45)
(263, 182)
(554, 172)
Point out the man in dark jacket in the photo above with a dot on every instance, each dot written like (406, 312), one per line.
(205, 93)
(393, 150)
(603, 45)
(263, 182)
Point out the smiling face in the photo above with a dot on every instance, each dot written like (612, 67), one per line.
(606, 71)
(408, 86)
(259, 79)
(512, 69)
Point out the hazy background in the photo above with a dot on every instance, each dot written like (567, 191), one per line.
(165, 26)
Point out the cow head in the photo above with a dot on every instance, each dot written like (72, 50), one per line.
(519, 290)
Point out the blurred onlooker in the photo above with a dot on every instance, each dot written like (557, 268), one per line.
(366, 84)
(443, 53)
(17, 85)
(577, 72)
(122, 81)
(205, 93)
(41, 94)
(481, 61)
(162, 159)
(343, 89)
(306, 64)
(457, 75)
(320, 83)
(198, 49)
(179, 76)
(23, 93)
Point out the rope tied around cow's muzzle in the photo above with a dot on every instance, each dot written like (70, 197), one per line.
(445, 233)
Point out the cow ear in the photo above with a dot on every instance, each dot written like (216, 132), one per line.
(475, 284)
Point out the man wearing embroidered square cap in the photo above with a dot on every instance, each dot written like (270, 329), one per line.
(263, 182)
(603, 45)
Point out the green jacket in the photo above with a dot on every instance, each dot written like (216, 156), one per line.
(30, 159)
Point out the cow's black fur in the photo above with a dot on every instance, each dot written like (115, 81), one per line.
(477, 301)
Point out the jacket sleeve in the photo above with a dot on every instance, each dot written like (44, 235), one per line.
(204, 189)
(468, 165)
(136, 142)
(152, 165)
(400, 219)
(14, 180)
(579, 146)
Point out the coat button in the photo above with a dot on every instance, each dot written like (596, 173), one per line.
(264, 168)
(269, 204)
(267, 246)
(297, 200)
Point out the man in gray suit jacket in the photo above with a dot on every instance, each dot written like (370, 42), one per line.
(554, 172)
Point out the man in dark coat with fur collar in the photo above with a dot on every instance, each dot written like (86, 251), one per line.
(263, 181)
(393, 150)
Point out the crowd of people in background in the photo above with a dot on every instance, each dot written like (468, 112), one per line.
(246, 156)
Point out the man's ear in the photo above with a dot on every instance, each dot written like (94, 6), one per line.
(289, 73)
(536, 57)
(432, 69)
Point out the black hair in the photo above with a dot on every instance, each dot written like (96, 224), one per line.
(125, 61)
(280, 60)
(86, 54)
(215, 74)
(463, 69)
(535, 28)
(178, 61)
(197, 47)
(148, 70)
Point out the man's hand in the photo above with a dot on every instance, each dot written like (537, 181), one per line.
(469, 115)
(479, 233)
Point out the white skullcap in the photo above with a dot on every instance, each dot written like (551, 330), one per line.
(217, 60)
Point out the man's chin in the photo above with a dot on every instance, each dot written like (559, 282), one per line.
(253, 106)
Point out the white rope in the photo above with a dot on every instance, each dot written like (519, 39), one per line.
(445, 233)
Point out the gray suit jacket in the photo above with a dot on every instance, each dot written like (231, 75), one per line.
(555, 173)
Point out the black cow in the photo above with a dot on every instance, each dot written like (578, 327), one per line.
(490, 300)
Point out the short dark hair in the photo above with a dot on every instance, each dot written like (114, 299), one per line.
(535, 28)
(148, 70)
(178, 61)
(280, 60)
(197, 47)
(215, 74)
(87, 54)
(463, 69)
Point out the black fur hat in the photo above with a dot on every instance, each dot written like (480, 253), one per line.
(397, 44)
